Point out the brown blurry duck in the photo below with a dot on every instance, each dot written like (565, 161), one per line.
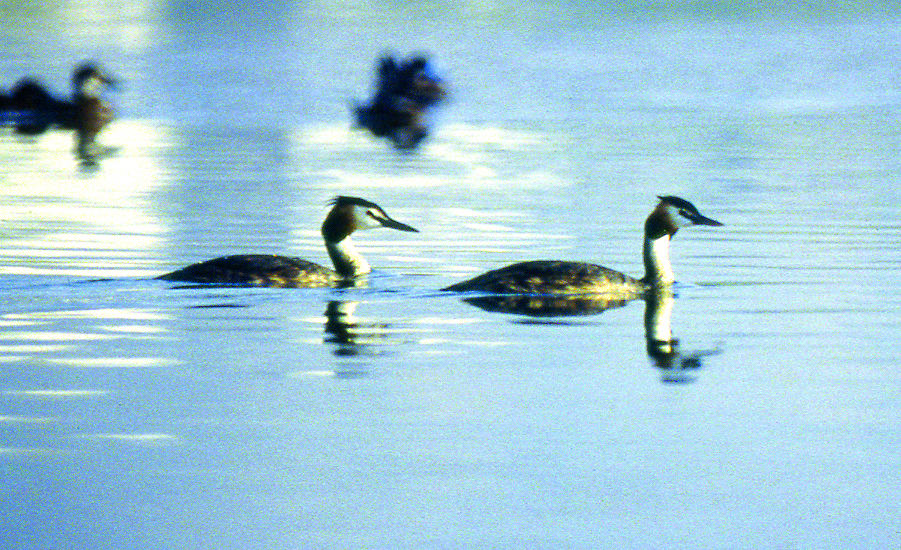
(31, 109)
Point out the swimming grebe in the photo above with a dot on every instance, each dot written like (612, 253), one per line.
(348, 214)
(557, 277)
(31, 109)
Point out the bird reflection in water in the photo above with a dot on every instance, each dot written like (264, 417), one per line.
(546, 306)
(406, 91)
(677, 367)
(30, 109)
(351, 335)
(663, 350)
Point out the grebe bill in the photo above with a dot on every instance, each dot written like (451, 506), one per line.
(348, 214)
(562, 277)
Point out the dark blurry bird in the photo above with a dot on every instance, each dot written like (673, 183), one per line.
(348, 214)
(31, 109)
(405, 92)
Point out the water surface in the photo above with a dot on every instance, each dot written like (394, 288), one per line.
(136, 414)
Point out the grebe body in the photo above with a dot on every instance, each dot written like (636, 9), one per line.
(551, 277)
(561, 277)
(348, 214)
(258, 270)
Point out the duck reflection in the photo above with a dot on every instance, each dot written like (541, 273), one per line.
(30, 109)
(663, 350)
(349, 333)
(405, 92)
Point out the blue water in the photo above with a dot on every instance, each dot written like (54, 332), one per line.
(138, 415)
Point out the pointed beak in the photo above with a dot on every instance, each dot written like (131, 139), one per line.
(394, 224)
(702, 220)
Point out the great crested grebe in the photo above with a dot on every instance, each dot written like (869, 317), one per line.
(558, 277)
(348, 214)
(31, 109)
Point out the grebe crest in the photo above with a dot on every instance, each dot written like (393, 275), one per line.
(561, 277)
(348, 214)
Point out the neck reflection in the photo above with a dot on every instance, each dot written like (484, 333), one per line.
(677, 367)
(351, 335)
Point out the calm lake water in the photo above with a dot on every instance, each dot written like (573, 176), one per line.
(135, 414)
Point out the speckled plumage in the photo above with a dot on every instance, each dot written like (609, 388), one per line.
(552, 277)
(348, 214)
(549, 277)
(257, 270)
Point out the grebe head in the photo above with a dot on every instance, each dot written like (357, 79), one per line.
(671, 214)
(349, 214)
(88, 80)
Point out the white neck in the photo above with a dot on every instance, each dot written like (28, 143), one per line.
(348, 262)
(657, 267)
